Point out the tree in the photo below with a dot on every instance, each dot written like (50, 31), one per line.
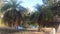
(34, 18)
(49, 2)
(56, 11)
(12, 12)
(45, 15)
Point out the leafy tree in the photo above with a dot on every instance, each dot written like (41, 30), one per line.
(56, 11)
(45, 15)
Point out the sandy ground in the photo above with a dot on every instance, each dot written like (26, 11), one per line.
(31, 33)
(4, 27)
(58, 32)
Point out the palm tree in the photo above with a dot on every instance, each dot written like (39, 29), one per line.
(12, 12)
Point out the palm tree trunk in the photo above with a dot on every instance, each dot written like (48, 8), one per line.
(16, 24)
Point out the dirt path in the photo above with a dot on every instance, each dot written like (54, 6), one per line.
(31, 33)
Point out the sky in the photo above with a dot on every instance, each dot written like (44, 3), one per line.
(31, 3)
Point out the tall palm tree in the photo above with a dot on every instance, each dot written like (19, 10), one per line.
(12, 12)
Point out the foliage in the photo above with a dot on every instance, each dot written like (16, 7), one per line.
(56, 8)
(12, 12)
(33, 18)
(45, 15)
(12, 16)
